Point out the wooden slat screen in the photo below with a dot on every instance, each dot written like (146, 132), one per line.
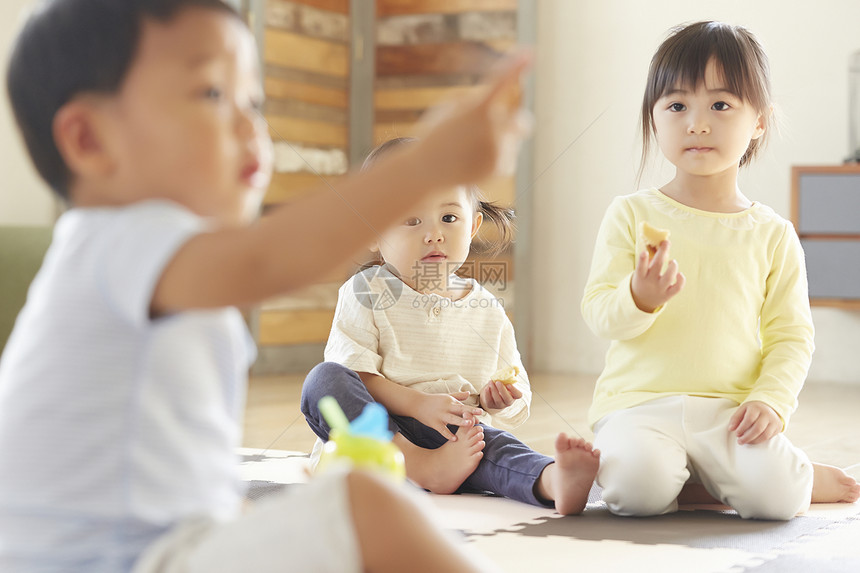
(427, 51)
(306, 54)
(432, 50)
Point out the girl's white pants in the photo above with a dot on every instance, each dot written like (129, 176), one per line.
(650, 451)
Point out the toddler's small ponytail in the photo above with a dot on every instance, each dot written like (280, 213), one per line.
(503, 219)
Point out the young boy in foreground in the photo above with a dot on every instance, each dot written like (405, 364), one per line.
(122, 387)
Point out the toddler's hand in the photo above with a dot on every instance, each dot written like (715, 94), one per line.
(439, 410)
(497, 395)
(755, 422)
(652, 287)
(469, 139)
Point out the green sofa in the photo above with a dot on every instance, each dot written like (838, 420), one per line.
(21, 252)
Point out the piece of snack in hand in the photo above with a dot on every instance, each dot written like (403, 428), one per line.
(506, 375)
(652, 237)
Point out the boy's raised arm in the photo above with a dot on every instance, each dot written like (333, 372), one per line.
(297, 244)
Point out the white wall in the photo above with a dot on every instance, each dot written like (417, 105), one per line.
(592, 57)
(24, 198)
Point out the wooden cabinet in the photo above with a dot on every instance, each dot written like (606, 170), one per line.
(825, 209)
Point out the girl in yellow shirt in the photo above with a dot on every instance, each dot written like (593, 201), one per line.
(709, 349)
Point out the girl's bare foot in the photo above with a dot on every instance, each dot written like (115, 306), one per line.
(832, 485)
(443, 470)
(569, 479)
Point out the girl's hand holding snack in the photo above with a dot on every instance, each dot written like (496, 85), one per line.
(497, 395)
(439, 410)
(652, 286)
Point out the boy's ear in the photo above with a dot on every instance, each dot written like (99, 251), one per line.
(80, 139)
(476, 224)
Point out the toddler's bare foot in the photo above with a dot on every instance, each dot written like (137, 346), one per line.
(569, 479)
(832, 485)
(443, 470)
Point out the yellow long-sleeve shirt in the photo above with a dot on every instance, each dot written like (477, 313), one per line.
(741, 327)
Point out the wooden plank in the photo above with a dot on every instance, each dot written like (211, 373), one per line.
(307, 131)
(291, 157)
(340, 6)
(307, 20)
(499, 189)
(795, 196)
(416, 29)
(420, 98)
(441, 28)
(835, 169)
(836, 303)
(289, 186)
(304, 53)
(306, 110)
(306, 77)
(453, 58)
(502, 45)
(487, 26)
(831, 236)
(295, 326)
(395, 7)
(424, 81)
(283, 89)
(382, 132)
(382, 116)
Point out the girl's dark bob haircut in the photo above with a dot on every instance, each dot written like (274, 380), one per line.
(681, 59)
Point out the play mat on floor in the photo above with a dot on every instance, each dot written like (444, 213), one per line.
(520, 537)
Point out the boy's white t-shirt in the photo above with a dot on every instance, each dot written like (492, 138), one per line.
(114, 426)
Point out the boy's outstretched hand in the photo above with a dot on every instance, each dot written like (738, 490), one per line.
(477, 136)
(497, 395)
(652, 287)
(755, 422)
(439, 410)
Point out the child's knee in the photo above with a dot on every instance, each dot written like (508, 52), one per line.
(641, 501)
(778, 503)
(775, 495)
(640, 490)
(325, 379)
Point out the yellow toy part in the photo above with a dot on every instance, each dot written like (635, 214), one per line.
(365, 443)
(364, 453)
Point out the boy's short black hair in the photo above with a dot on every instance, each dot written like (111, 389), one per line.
(70, 47)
